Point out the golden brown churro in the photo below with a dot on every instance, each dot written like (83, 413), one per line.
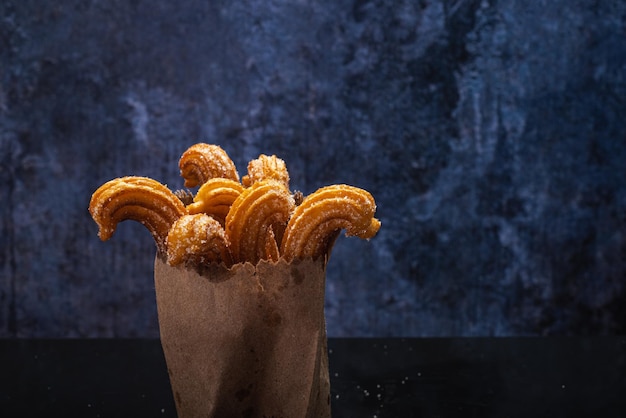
(215, 198)
(141, 199)
(258, 213)
(266, 168)
(316, 221)
(196, 240)
(202, 162)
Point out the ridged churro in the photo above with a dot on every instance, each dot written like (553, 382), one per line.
(316, 222)
(215, 198)
(260, 212)
(266, 168)
(202, 162)
(141, 199)
(196, 240)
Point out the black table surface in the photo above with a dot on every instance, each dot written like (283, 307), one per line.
(421, 377)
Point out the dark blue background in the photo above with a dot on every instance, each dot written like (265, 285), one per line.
(491, 134)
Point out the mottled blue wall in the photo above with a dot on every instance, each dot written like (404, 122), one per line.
(491, 133)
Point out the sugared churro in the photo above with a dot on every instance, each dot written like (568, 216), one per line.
(196, 240)
(215, 198)
(266, 168)
(260, 212)
(321, 215)
(202, 162)
(141, 199)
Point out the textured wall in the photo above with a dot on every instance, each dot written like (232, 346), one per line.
(491, 133)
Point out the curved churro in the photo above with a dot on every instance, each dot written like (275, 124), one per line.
(316, 222)
(141, 199)
(215, 198)
(266, 168)
(196, 240)
(260, 212)
(201, 162)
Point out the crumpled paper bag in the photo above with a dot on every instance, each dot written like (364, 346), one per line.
(249, 341)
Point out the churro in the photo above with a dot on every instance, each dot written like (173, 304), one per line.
(202, 162)
(215, 198)
(196, 240)
(266, 168)
(141, 199)
(316, 222)
(260, 211)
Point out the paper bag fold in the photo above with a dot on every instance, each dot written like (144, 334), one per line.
(249, 341)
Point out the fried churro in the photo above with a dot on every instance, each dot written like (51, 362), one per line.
(315, 223)
(196, 240)
(202, 162)
(141, 199)
(262, 210)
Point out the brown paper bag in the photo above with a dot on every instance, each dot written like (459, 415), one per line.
(245, 342)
